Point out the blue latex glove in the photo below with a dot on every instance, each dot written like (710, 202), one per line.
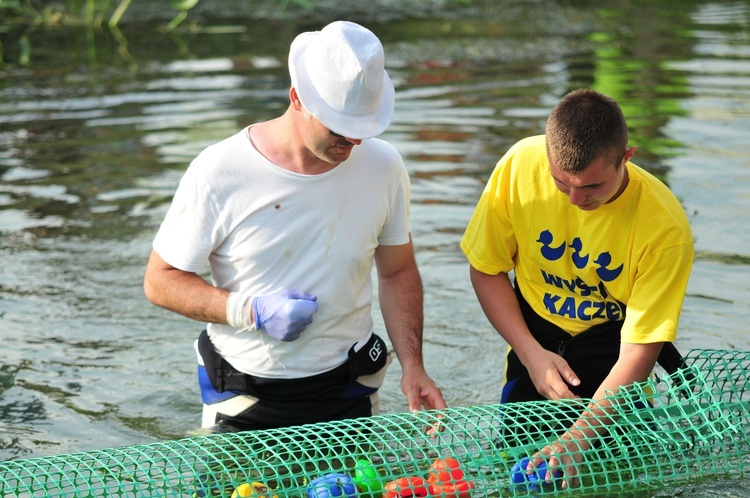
(285, 314)
(518, 474)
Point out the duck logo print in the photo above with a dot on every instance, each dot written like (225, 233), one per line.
(553, 252)
(590, 302)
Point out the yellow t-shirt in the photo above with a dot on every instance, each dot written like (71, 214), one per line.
(580, 268)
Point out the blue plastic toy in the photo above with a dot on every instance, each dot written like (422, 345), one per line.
(332, 485)
(518, 474)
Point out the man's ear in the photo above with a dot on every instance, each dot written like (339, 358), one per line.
(629, 153)
(294, 99)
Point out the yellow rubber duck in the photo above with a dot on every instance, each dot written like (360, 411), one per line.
(253, 490)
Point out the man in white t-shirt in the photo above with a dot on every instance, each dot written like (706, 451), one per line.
(289, 215)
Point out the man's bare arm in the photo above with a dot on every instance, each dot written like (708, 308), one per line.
(401, 302)
(183, 292)
(549, 371)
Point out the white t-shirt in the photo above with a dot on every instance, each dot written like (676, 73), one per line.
(262, 228)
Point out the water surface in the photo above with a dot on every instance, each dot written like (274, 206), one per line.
(98, 127)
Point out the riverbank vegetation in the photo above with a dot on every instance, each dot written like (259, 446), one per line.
(19, 18)
(21, 21)
(79, 12)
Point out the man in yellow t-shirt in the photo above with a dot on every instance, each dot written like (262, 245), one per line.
(601, 251)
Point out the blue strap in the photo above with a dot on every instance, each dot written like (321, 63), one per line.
(208, 393)
(507, 389)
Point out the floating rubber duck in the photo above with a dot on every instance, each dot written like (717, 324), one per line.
(330, 485)
(406, 487)
(446, 478)
(366, 476)
(253, 490)
(519, 475)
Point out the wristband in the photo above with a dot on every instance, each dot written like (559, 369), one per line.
(236, 315)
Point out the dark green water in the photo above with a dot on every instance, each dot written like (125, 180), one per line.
(97, 127)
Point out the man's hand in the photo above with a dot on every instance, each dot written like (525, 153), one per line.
(635, 363)
(551, 375)
(421, 392)
(285, 314)
(562, 459)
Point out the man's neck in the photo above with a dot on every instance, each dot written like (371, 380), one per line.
(281, 142)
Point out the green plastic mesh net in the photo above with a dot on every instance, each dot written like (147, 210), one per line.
(686, 427)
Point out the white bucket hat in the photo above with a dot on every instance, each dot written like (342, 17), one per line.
(339, 74)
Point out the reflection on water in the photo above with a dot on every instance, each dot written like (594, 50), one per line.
(94, 137)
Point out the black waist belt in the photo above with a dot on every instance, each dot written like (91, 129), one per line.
(606, 334)
(327, 385)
